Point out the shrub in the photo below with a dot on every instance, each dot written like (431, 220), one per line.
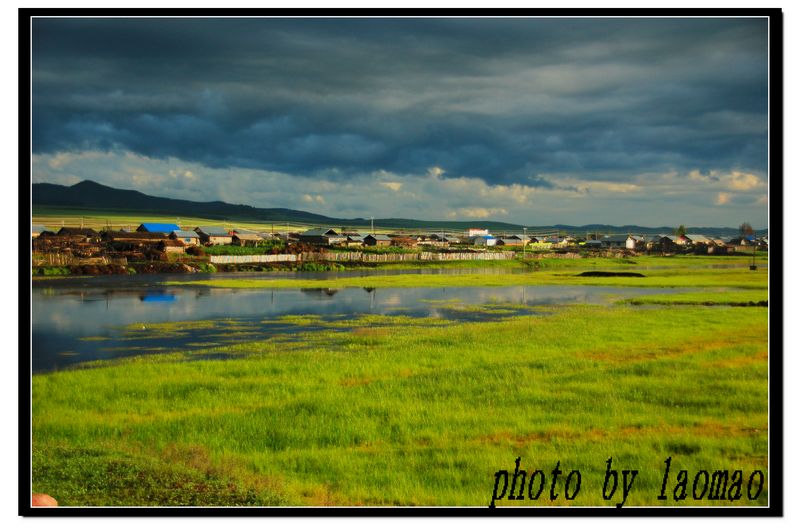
(320, 267)
(52, 270)
(207, 267)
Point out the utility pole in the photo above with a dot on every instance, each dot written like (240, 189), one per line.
(524, 242)
(372, 225)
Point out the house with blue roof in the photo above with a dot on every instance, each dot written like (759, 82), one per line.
(158, 228)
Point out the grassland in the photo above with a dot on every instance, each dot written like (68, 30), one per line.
(56, 217)
(404, 411)
(413, 414)
(684, 278)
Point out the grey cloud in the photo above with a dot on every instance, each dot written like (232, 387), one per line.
(476, 97)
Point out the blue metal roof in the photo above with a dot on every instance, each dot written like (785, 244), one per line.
(158, 228)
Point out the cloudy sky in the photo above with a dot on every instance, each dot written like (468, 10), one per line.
(535, 121)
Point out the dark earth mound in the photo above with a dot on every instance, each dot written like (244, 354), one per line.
(610, 274)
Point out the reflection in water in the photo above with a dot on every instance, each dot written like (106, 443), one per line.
(319, 293)
(158, 297)
(67, 330)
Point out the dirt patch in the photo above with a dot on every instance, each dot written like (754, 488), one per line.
(352, 381)
(690, 346)
(739, 362)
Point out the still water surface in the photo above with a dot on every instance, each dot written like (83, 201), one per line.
(77, 320)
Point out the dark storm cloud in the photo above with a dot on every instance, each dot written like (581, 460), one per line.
(499, 99)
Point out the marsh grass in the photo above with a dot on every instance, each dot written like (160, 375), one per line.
(394, 411)
(677, 278)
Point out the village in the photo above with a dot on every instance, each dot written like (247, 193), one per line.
(166, 247)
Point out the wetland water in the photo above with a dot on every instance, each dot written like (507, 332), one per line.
(78, 320)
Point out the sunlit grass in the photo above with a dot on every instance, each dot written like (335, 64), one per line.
(393, 411)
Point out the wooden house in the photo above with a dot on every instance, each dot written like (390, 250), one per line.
(171, 246)
(213, 235)
(635, 242)
(377, 241)
(404, 241)
(354, 240)
(243, 237)
(698, 239)
(615, 241)
(129, 241)
(438, 240)
(79, 234)
(513, 240)
(321, 236)
(189, 238)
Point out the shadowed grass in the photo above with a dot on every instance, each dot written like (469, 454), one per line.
(733, 278)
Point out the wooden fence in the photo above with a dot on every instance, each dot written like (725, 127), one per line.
(63, 259)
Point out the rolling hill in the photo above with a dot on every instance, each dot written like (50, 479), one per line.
(91, 196)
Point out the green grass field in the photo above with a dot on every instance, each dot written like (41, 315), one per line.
(55, 218)
(405, 411)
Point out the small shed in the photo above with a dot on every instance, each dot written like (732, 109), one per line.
(635, 242)
(484, 240)
(513, 240)
(355, 240)
(171, 246)
(242, 237)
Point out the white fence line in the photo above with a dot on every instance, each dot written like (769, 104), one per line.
(358, 256)
(241, 259)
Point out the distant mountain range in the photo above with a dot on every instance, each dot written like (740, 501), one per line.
(92, 196)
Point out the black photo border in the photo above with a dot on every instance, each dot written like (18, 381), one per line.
(775, 195)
